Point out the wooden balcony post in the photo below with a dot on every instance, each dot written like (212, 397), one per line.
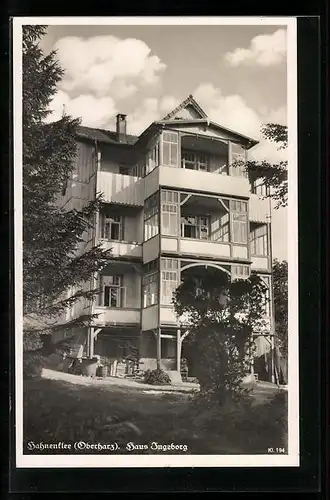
(272, 359)
(88, 342)
(159, 348)
(91, 342)
(178, 350)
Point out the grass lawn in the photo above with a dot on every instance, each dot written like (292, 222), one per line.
(57, 411)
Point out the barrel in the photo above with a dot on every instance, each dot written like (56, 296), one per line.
(89, 367)
(104, 371)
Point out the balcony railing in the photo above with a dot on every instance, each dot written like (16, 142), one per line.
(122, 248)
(116, 316)
(120, 188)
(206, 248)
(194, 180)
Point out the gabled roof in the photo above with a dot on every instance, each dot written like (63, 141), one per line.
(249, 139)
(104, 136)
(190, 101)
(110, 137)
(171, 119)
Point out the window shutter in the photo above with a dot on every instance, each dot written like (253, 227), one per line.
(239, 221)
(238, 154)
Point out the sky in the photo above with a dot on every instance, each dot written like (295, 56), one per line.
(236, 73)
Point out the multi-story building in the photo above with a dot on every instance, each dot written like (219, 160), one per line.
(173, 204)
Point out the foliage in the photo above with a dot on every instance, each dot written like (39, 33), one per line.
(156, 377)
(54, 256)
(221, 316)
(33, 363)
(276, 133)
(273, 174)
(32, 341)
(280, 290)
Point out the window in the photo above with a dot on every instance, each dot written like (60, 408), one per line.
(38, 299)
(239, 221)
(152, 158)
(171, 149)
(112, 291)
(169, 280)
(170, 208)
(259, 241)
(238, 154)
(203, 227)
(150, 289)
(189, 227)
(70, 311)
(220, 228)
(195, 161)
(151, 221)
(197, 227)
(238, 206)
(112, 227)
(151, 267)
(139, 169)
(240, 272)
(259, 187)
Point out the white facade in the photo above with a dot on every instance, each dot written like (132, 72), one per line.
(173, 200)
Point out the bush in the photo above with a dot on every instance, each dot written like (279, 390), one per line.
(156, 377)
(33, 363)
(31, 341)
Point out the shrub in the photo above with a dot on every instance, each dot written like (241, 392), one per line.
(31, 341)
(156, 377)
(33, 363)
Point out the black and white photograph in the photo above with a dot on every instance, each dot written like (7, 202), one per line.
(156, 242)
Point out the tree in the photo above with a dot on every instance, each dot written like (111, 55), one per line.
(54, 257)
(280, 287)
(221, 316)
(274, 175)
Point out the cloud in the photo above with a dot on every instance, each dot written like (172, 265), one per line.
(264, 50)
(100, 112)
(168, 103)
(233, 112)
(149, 110)
(106, 65)
(94, 111)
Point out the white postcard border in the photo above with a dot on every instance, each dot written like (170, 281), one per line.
(114, 461)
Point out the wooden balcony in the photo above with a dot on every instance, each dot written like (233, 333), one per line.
(203, 248)
(203, 182)
(260, 263)
(116, 316)
(119, 188)
(123, 249)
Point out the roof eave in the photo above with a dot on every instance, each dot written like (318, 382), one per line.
(250, 141)
(87, 138)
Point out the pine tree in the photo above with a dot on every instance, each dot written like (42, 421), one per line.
(54, 258)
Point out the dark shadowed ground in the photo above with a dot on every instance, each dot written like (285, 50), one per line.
(55, 410)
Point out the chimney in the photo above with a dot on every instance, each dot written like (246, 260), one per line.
(121, 126)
